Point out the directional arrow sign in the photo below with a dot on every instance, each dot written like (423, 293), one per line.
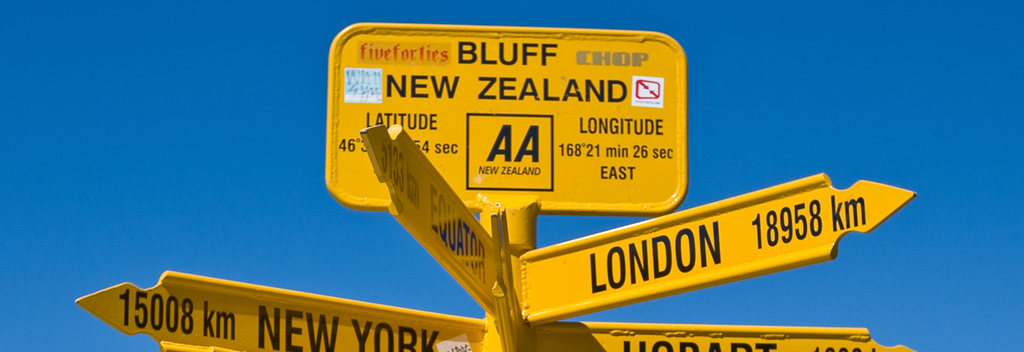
(428, 207)
(185, 311)
(626, 337)
(783, 227)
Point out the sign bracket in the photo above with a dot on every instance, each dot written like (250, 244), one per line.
(521, 215)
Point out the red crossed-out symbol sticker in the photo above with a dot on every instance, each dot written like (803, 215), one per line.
(647, 89)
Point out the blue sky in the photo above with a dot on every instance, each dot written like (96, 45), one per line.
(139, 137)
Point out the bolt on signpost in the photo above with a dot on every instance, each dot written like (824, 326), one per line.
(512, 123)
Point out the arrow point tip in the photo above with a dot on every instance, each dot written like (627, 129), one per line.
(103, 303)
(891, 191)
(906, 195)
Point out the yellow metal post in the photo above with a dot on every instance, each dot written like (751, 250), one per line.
(513, 224)
(522, 220)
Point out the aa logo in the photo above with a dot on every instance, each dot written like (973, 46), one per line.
(510, 152)
(503, 145)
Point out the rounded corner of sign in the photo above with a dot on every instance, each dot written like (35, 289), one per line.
(346, 200)
(352, 202)
(671, 205)
(356, 28)
(674, 201)
(679, 49)
(680, 196)
(672, 43)
(351, 31)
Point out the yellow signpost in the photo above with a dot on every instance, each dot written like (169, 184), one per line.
(189, 313)
(632, 337)
(585, 121)
(783, 227)
(424, 203)
(512, 123)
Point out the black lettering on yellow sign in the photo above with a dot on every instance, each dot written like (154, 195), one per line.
(212, 327)
(617, 172)
(837, 213)
(324, 336)
(410, 121)
(506, 88)
(418, 86)
(665, 346)
(637, 126)
(789, 224)
(156, 313)
(510, 170)
(468, 53)
(517, 148)
(503, 144)
(395, 167)
(406, 337)
(316, 339)
(455, 233)
(664, 253)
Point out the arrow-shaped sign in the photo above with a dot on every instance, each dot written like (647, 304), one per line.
(188, 313)
(185, 311)
(631, 337)
(783, 227)
(432, 212)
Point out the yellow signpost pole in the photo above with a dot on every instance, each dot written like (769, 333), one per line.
(783, 227)
(508, 317)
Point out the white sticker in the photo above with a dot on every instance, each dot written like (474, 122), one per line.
(649, 91)
(456, 344)
(363, 85)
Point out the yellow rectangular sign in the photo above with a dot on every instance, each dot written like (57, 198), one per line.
(428, 207)
(185, 311)
(783, 227)
(631, 337)
(586, 121)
